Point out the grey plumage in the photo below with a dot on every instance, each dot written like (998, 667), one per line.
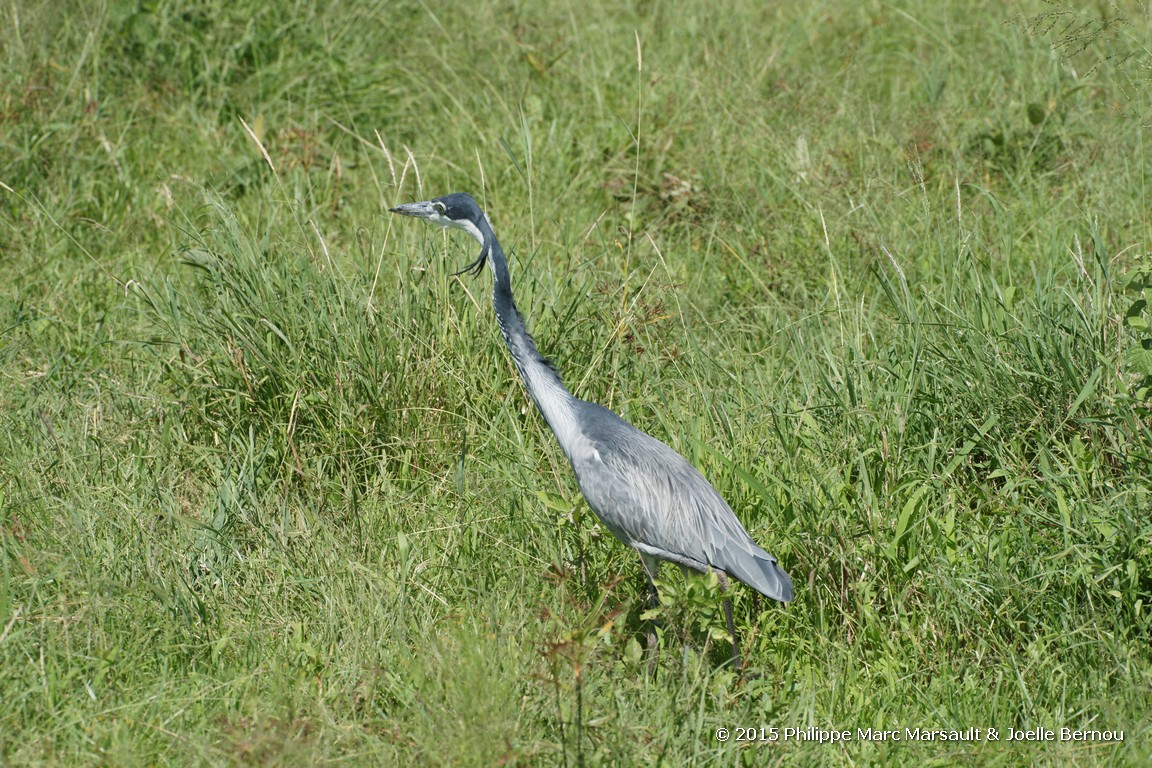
(655, 501)
(645, 493)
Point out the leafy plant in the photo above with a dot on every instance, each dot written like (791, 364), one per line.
(1138, 319)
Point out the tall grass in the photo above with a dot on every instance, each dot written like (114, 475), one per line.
(271, 491)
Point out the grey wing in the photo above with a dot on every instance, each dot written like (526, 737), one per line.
(654, 500)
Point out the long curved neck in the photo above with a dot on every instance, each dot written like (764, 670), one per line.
(552, 398)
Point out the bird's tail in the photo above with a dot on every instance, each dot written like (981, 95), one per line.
(761, 572)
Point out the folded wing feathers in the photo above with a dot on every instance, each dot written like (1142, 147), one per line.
(652, 498)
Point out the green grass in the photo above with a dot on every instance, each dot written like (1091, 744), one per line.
(271, 492)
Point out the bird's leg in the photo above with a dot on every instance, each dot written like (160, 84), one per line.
(737, 660)
(651, 571)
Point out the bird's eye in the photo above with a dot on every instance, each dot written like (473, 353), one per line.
(440, 207)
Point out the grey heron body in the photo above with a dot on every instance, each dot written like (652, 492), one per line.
(646, 494)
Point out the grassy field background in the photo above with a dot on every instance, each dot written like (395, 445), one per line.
(271, 492)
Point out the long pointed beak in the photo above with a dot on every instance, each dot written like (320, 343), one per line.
(418, 210)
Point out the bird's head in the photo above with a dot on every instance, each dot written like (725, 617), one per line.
(455, 211)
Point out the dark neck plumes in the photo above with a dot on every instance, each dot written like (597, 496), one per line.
(540, 377)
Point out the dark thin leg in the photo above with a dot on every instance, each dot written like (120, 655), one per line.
(651, 570)
(737, 660)
(653, 595)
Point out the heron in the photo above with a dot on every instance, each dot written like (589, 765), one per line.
(648, 495)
